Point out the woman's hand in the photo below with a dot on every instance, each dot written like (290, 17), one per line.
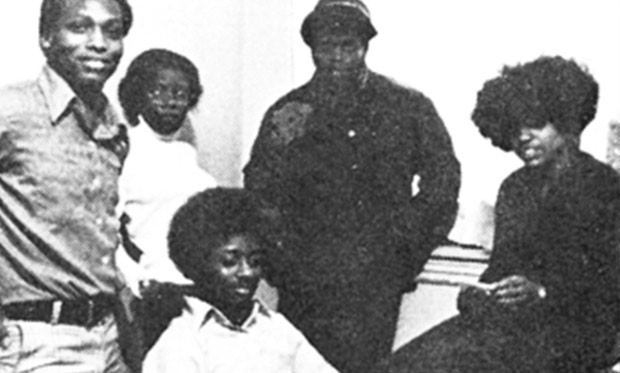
(474, 300)
(517, 290)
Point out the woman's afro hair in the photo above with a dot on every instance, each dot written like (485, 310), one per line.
(546, 90)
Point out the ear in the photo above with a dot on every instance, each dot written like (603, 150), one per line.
(45, 42)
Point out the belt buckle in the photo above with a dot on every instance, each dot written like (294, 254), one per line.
(56, 312)
(84, 316)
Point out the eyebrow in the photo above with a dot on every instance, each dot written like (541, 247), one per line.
(113, 18)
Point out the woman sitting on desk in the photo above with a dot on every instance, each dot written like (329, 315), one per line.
(549, 300)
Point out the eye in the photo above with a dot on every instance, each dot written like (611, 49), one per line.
(256, 260)
(229, 260)
(78, 26)
(154, 92)
(114, 30)
(326, 47)
(181, 94)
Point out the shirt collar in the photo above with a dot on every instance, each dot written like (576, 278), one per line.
(56, 91)
(203, 312)
(176, 136)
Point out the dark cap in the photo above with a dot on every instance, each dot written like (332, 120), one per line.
(338, 17)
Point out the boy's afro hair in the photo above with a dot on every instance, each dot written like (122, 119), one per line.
(208, 219)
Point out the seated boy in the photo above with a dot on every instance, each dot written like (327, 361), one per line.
(216, 239)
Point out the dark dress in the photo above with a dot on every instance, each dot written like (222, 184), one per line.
(339, 171)
(566, 240)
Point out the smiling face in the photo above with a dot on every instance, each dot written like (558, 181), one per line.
(539, 146)
(229, 276)
(86, 43)
(167, 101)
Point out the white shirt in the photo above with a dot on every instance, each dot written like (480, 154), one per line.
(202, 340)
(159, 175)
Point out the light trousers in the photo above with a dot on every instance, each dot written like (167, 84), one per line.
(39, 347)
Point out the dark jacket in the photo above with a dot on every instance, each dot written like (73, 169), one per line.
(562, 235)
(338, 169)
(341, 170)
(567, 241)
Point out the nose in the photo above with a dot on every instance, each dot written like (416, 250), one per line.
(171, 102)
(247, 270)
(525, 135)
(338, 53)
(97, 39)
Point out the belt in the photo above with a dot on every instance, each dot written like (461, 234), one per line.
(84, 312)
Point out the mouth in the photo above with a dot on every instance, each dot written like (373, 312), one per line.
(96, 64)
(169, 116)
(341, 71)
(530, 154)
(244, 291)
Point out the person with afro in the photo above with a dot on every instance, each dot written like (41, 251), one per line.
(218, 240)
(549, 299)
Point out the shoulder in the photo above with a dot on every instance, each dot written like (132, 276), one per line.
(20, 98)
(516, 177)
(593, 167)
(594, 175)
(283, 329)
(515, 185)
(179, 328)
(287, 118)
(298, 96)
(396, 91)
(172, 352)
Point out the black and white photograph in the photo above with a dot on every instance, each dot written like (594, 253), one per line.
(310, 186)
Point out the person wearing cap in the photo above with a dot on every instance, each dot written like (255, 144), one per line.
(549, 300)
(337, 160)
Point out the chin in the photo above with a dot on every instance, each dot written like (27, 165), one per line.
(92, 81)
(169, 129)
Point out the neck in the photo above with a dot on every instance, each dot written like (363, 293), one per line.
(564, 160)
(94, 100)
(333, 92)
(238, 313)
(551, 172)
(90, 94)
(341, 85)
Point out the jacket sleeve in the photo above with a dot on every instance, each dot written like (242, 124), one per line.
(431, 213)
(265, 176)
(508, 235)
(263, 173)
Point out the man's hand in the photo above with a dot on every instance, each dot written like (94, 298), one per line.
(165, 298)
(517, 290)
